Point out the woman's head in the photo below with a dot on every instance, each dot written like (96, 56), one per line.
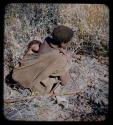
(62, 35)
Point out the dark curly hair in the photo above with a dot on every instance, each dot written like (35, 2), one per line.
(61, 34)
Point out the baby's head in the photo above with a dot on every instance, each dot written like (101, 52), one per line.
(33, 46)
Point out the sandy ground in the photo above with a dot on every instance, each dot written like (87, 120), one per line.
(89, 78)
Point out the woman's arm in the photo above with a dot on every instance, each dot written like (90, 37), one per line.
(65, 78)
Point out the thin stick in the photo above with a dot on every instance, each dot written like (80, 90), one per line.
(17, 100)
(27, 98)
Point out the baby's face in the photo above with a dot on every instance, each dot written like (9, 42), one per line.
(35, 47)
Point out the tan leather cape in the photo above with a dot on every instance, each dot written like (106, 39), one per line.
(35, 70)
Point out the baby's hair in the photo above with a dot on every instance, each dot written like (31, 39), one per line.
(30, 44)
(33, 42)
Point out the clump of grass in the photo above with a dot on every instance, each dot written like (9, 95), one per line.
(90, 23)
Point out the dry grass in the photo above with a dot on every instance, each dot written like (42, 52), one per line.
(89, 71)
